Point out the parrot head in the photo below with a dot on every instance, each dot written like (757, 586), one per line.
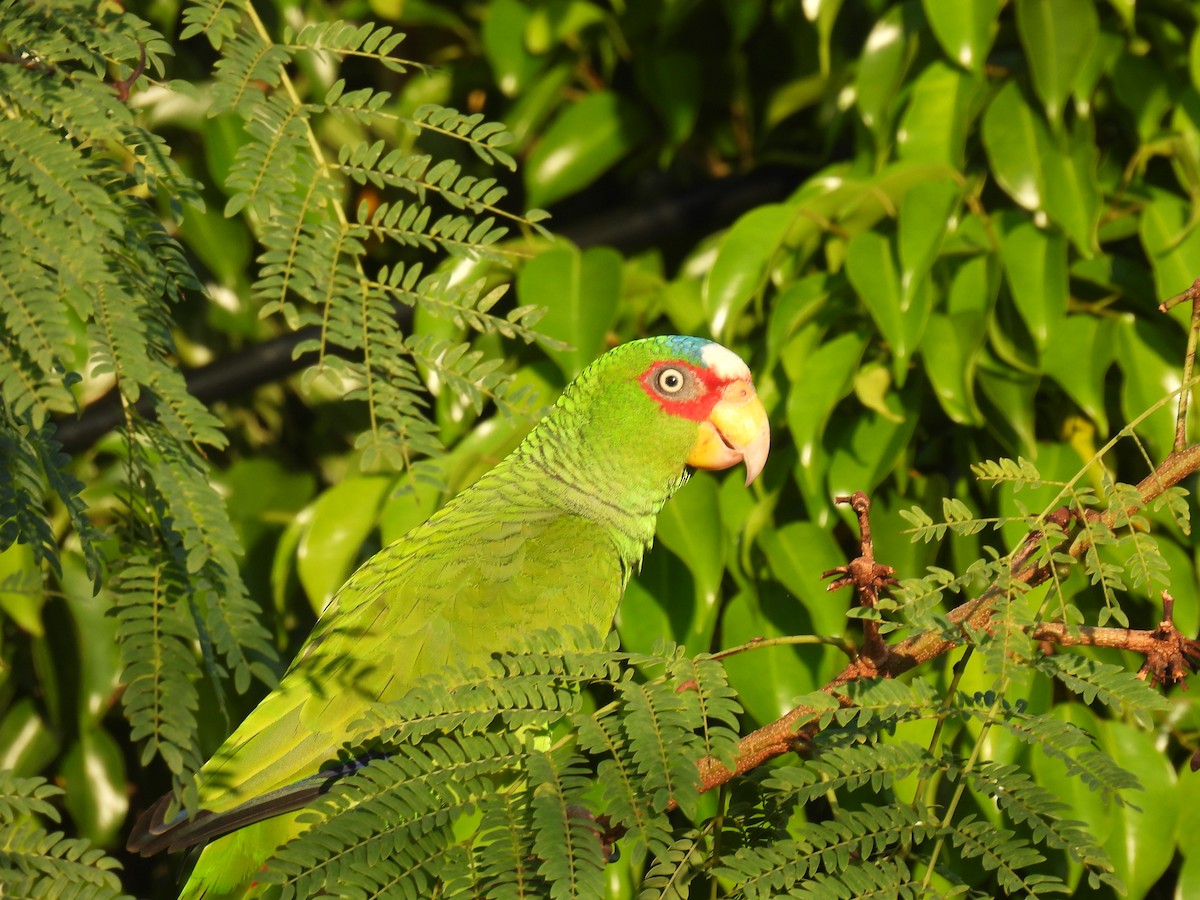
(671, 402)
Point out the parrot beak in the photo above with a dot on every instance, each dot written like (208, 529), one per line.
(735, 431)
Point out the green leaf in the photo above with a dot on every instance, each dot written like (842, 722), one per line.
(584, 142)
(769, 681)
(341, 519)
(690, 527)
(868, 446)
(826, 378)
(1035, 266)
(949, 351)
(93, 771)
(1014, 138)
(1140, 841)
(1072, 187)
(1081, 372)
(1011, 393)
(581, 291)
(557, 21)
(926, 215)
(886, 57)
(964, 28)
(1058, 36)
(871, 268)
(1150, 361)
(656, 605)
(27, 743)
(1172, 242)
(798, 553)
(503, 38)
(935, 124)
(743, 260)
(22, 590)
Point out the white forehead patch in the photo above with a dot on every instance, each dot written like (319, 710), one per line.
(722, 361)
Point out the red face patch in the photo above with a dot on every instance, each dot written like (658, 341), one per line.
(683, 389)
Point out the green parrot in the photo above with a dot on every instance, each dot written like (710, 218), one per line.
(547, 538)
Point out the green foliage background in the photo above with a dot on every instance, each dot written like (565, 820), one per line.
(984, 204)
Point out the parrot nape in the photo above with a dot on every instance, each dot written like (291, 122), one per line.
(548, 538)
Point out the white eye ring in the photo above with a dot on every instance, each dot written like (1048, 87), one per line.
(670, 381)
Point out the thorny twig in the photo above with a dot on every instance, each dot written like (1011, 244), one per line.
(866, 576)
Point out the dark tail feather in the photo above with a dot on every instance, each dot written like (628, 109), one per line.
(153, 833)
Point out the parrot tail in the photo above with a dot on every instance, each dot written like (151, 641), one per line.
(153, 832)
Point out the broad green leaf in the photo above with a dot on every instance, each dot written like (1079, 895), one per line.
(97, 661)
(868, 446)
(949, 351)
(953, 339)
(964, 28)
(871, 268)
(537, 103)
(858, 205)
(409, 504)
(1014, 138)
(825, 379)
(1193, 58)
(1072, 188)
(1081, 372)
(584, 141)
(743, 261)
(934, 126)
(1172, 242)
(93, 771)
(581, 291)
(792, 308)
(503, 38)
(1035, 266)
(1057, 36)
(658, 603)
(886, 57)
(341, 519)
(27, 743)
(557, 21)
(1011, 393)
(770, 681)
(690, 527)
(223, 245)
(1145, 89)
(1184, 124)
(926, 215)
(1151, 363)
(1188, 882)
(1140, 842)
(798, 553)
(263, 496)
(22, 588)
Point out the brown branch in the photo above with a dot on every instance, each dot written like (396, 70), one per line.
(1169, 655)
(866, 576)
(796, 727)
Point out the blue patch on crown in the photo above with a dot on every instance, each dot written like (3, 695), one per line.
(688, 347)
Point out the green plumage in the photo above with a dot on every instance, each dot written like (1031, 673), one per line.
(548, 538)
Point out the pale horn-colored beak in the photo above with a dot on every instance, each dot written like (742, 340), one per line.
(735, 431)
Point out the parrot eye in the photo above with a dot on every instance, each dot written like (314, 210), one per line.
(669, 381)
